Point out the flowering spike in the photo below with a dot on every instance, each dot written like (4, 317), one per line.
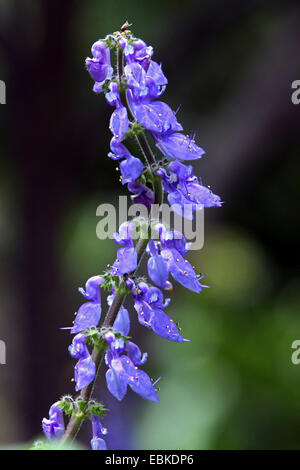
(134, 89)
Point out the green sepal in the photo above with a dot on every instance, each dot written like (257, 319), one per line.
(67, 406)
(137, 128)
(95, 338)
(105, 86)
(110, 41)
(111, 281)
(147, 176)
(97, 409)
(81, 404)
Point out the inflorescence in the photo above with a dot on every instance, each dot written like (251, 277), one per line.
(133, 88)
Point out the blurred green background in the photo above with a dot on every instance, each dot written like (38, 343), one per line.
(230, 65)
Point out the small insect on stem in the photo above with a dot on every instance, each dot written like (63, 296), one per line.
(125, 26)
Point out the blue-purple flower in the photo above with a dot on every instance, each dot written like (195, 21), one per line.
(157, 117)
(168, 258)
(137, 51)
(123, 369)
(146, 83)
(123, 361)
(130, 166)
(99, 66)
(145, 86)
(122, 321)
(185, 193)
(149, 304)
(85, 369)
(89, 313)
(119, 119)
(126, 261)
(54, 427)
(141, 194)
(97, 442)
(157, 268)
(178, 146)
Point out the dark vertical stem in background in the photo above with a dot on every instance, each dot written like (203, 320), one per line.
(41, 157)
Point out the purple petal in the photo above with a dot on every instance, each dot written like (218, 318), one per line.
(141, 193)
(174, 239)
(165, 327)
(131, 168)
(118, 346)
(88, 315)
(119, 149)
(92, 288)
(78, 348)
(155, 72)
(135, 355)
(97, 70)
(157, 117)
(126, 261)
(140, 383)
(122, 322)
(135, 75)
(97, 443)
(181, 206)
(113, 97)
(154, 296)
(116, 383)
(98, 429)
(97, 88)
(202, 195)
(144, 312)
(125, 232)
(54, 427)
(179, 146)
(181, 270)
(85, 371)
(158, 270)
(101, 52)
(119, 123)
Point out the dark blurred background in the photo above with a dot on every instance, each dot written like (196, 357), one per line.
(230, 65)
